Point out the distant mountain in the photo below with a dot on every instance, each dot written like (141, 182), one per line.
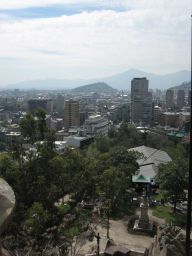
(123, 80)
(47, 84)
(120, 81)
(95, 87)
(184, 86)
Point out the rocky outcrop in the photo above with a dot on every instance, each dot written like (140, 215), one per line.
(7, 204)
(169, 241)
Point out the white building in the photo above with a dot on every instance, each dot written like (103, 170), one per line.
(96, 124)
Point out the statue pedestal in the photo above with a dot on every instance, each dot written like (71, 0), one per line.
(143, 224)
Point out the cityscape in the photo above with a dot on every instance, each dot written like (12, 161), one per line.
(94, 166)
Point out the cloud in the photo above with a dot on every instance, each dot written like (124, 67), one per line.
(174, 5)
(57, 10)
(20, 4)
(150, 35)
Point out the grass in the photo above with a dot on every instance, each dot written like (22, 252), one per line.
(165, 212)
(162, 212)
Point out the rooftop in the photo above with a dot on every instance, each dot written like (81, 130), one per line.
(149, 170)
(151, 156)
(141, 179)
(171, 113)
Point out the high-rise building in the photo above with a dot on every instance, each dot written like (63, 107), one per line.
(156, 114)
(180, 98)
(58, 104)
(71, 114)
(170, 98)
(141, 101)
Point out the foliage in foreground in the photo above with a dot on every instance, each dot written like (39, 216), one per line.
(105, 167)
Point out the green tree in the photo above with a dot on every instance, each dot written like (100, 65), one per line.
(50, 139)
(41, 122)
(2, 146)
(111, 182)
(112, 133)
(172, 179)
(125, 162)
(9, 169)
(28, 127)
(103, 143)
(38, 218)
(128, 136)
(59, 173)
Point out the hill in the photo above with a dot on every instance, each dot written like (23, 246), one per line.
(186, 86)
(95, 88)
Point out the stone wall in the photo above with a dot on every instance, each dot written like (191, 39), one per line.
(169, 241)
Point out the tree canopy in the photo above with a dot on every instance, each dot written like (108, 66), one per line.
(172, 179)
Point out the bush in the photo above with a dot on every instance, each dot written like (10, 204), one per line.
(64, 208)
(38, 218)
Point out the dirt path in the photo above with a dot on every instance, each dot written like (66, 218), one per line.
(118, 232)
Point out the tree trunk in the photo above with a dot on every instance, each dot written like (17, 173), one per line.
(175, 204)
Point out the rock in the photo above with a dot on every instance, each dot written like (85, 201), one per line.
(172, 250)
(179, 245)
(168, 242)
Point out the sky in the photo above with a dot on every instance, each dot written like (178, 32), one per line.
(92, 38)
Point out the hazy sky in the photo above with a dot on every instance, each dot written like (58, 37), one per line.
(92, 38)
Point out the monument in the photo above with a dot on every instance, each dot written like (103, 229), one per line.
(143, 224)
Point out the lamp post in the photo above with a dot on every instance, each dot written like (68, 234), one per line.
(189, 200)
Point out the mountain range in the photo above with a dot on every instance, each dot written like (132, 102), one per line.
(121, 81)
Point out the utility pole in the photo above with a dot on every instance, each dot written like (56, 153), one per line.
(189, 200)
(98, 244)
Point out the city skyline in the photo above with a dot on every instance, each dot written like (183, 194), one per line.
(89, 39)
